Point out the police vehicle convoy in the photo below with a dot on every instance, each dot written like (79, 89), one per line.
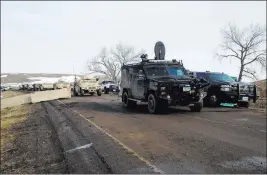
(161, 84)
(225, 91)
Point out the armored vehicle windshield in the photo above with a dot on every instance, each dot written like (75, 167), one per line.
(88, 80)
(219, 77)
(164, 70)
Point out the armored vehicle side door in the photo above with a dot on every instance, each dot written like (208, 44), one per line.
(138, 83)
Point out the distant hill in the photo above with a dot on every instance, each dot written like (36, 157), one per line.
(29, 77)
(23, 77)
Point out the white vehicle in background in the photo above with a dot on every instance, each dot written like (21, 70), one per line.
(47, 86)
(109, 86)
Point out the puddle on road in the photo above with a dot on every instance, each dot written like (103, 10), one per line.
(247, 163)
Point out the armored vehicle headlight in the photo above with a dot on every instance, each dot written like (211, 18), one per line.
(225, 87)
(155, 83)
(163, 88)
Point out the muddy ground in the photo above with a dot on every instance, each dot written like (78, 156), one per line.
(94, 134)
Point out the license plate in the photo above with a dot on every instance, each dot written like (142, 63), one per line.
(227, 104)
(245, 98)
(186, 89)
(114, 90)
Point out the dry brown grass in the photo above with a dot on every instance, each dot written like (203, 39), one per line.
(7, 94)
(10, 117)
(261, 102)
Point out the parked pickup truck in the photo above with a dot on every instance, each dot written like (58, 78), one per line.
(224, 90)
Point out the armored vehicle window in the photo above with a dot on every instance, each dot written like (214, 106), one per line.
(175, 71)
(219, 77)
(156, 71)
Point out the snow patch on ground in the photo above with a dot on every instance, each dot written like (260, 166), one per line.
(3, 76)
(67, 79)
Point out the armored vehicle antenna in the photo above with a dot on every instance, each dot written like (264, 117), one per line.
(159, 50)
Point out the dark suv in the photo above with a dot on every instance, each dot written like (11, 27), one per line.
(161, 84)
(224, 90)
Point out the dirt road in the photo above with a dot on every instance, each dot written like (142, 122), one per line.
(97, 135)
(221, 140)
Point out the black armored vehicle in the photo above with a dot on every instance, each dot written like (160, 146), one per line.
(226, 91)
(161, 84)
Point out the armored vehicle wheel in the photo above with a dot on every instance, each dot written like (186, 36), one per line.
(197, 107)
(75, 93)
(128, 103)
(81, 92)
(99, 93)
(153, 104)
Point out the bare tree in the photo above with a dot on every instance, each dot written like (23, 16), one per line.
(248, 46)
(124, 54)
(109, 62)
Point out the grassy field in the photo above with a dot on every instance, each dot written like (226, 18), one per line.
(11, 116)
(7, 94)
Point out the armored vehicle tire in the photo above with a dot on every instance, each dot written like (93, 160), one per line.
(153, 104)
(99, 93)
(197, 107)
(82, 92)
(126, 102)
(75, 93)
(243, 104)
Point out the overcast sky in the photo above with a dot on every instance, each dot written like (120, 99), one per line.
(51, 37)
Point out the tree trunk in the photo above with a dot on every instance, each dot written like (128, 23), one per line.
(241, 72)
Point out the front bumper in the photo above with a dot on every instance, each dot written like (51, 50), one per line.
(176, 97)
(90, 90)
(234, 97)
(113, 89)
